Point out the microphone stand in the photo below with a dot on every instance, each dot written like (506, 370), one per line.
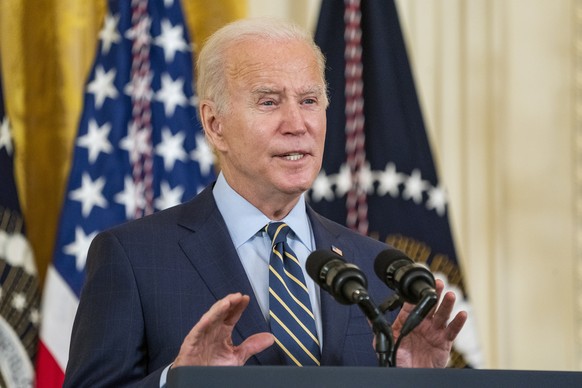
(380, 326)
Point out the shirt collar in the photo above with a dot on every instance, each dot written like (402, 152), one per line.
(243, 220)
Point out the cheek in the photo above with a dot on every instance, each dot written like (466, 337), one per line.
(320, 130)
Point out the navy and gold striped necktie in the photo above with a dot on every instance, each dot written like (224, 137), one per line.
(291, 318)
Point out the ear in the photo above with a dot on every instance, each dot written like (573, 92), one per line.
(212, 124)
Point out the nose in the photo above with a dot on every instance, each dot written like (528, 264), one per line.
(293, 121)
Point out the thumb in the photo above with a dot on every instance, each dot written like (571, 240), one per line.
(256, 343)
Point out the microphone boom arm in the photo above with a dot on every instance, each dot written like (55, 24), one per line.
(382, 330)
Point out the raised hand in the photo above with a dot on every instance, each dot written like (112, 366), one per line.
(429, 344)
(209, 343)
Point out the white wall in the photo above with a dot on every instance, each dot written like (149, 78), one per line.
(501, 89)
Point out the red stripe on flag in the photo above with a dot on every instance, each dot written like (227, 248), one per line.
(48, 372)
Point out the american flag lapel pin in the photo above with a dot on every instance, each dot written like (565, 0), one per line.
(337, 250)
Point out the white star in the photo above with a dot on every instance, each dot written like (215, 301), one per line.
(136, 143)
(6, 136)
(131, 197)
(414, 186)
(171, 148)
(18, 301)
(169, 197)
(171, 40)
(437, 199)
(139, 88)
(140, 33)
(171, 94)
(321, 188)
(203, 154)
(168, 3)
(79, 247)
(343, 181)
(102, 86)
(16, 249)
(95, 140)
(108, 33)
(366, 179)
(89, 194)
(389, 180)
(34, 317)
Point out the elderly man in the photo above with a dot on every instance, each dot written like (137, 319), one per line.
(220, 280)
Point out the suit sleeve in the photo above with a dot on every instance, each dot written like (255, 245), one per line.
(108, 346)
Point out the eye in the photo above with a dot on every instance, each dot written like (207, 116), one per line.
(267, 103)
(310, 101)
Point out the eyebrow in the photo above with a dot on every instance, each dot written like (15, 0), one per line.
(262, 90)
(265, 90)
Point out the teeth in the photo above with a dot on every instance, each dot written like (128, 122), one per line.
(294, 156)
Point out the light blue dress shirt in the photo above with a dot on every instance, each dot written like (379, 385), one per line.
(246, 225)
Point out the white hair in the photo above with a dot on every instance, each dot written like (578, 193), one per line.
(211, 81)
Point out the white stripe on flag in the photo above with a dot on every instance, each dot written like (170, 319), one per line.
(59, 309)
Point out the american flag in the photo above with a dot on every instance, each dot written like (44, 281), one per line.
(378, 174)
(19, 289)
(139, 148)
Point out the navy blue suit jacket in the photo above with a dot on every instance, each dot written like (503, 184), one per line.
(149, 281)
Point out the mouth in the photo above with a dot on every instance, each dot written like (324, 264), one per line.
(293, 156)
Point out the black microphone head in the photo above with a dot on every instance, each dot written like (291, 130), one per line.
(333, 274)
(409, 279)
(315, 262)
(385, 259)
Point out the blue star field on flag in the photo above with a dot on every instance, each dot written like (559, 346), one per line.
(140, 147)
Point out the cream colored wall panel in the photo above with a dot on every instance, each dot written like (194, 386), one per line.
(305, 13)
(476, 199)
(507, 162)
(302, 12)
(577, 115)
(496, 110)
(277, 9)
(421, 38)
(538, 185)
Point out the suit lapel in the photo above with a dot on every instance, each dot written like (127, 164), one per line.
(334, 316)
(210, 250)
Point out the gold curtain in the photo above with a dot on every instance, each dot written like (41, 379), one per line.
(46, 51)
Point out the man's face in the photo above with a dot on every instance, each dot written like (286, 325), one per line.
(273, 130)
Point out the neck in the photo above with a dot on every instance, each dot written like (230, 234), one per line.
(274, 205)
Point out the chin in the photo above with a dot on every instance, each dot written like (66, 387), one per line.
(296, 188)
(296, 183)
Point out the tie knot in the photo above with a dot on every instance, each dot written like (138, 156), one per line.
(277, 231)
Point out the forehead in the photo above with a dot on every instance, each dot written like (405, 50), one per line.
(254, 62)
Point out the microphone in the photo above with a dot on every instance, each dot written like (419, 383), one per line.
(348, 285)
(345, 282)
(411, 280)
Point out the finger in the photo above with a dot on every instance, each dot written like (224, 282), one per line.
(456, 325)
(237, 306)
(440, 286)
(215, 316)
(403, 314)
(256, 343)
(444, 310)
